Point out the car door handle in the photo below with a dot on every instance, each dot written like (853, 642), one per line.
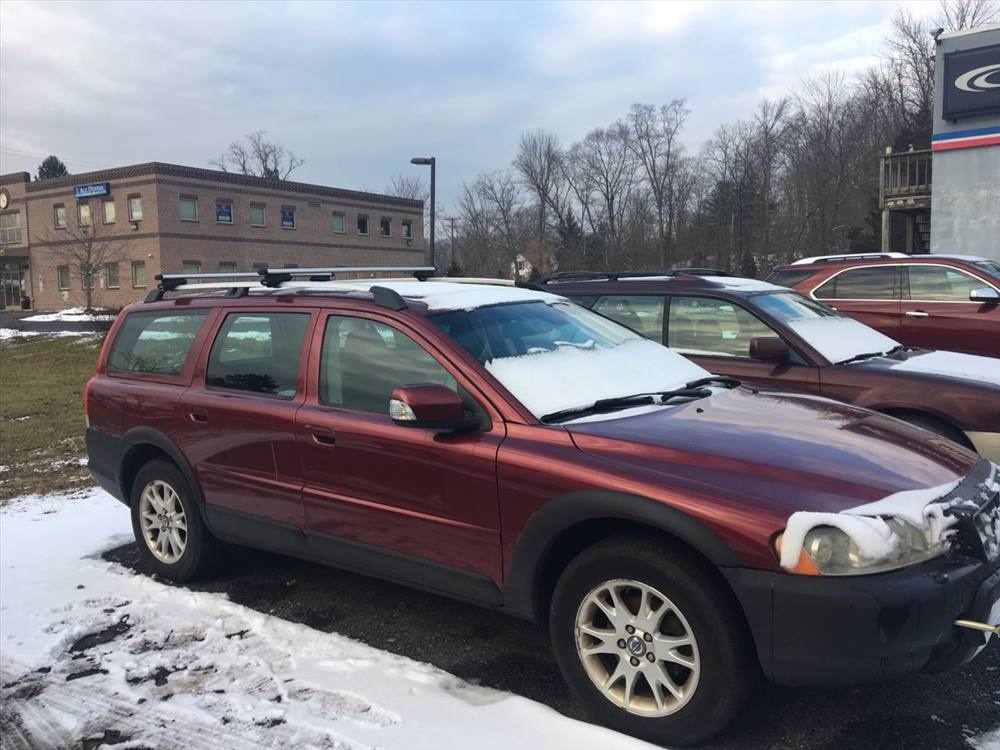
(199, 418)
(321, 434)
(916, 314)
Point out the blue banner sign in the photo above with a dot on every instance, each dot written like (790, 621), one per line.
(88, 191)
(288, 218)
(224, 212)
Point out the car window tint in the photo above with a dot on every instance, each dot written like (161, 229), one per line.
(937, 283)
(363, 361)
(875, 282)
(788, 278)
(643, 314)
(155, 342)
(700, 325)
(258, 353)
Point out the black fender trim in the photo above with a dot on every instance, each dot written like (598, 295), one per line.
(566, 511)
(139, 436)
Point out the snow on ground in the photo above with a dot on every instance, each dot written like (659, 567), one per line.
(93, 650)
(988, 741)
(70, 315)
(12, 333)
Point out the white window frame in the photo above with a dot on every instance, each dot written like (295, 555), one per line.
(188, 199)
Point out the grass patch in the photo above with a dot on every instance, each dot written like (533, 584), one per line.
(42, 445)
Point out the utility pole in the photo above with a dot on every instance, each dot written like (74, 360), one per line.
(454, 253)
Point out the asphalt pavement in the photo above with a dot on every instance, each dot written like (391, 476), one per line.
(495, 650)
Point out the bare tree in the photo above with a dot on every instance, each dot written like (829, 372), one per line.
(258, 157)
(87, 248)
(957, 15)
(408, 186)
(539, 165)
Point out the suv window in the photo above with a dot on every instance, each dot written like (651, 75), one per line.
(712, 326)
(363, 361)
(937, 283)
(788, 278)
(642, 314)
(155, 342)
(874, 282)
(258, 353)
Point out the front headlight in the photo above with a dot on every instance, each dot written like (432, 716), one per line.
(828, 551)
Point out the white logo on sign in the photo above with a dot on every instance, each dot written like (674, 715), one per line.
(976, 81)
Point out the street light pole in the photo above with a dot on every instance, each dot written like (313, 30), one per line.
(432, 161)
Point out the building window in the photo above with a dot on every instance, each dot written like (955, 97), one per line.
(189, 208)
(339, 223)
(139, 274)
(223, 211)
(259, 266)
(83, 214)
(290, 265)
(10, 228)
(112, 276)
(287, 217)
(191, 266)
(385, 226)
(62, 276)
(109, 212)
(257, 215)
(59, 216)
(408, 230)
(135, 209)
(226, 266)
(362, 223)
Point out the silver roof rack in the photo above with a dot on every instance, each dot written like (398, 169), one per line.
(847, 256)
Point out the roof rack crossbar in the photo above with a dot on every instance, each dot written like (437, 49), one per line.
(697, 272)
(845, 256)
(421, 272)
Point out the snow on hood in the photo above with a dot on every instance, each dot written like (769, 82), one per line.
(953, 364)
(572, 377)
(839, 338)
(865, 524)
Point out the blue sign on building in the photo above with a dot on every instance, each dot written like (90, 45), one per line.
(89, 191)
(224, 212)
(288, 218)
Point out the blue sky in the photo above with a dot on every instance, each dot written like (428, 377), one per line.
(356, 89)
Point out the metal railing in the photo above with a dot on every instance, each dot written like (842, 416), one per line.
(905, 174)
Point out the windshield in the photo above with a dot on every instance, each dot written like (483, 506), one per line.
(836, 337)
(991, 267)
(559, 356)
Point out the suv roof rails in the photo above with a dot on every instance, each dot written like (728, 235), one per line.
(563, 276)
(240, 283)
(846, 256)
(697, 272)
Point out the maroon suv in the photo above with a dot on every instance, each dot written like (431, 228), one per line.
(679, 533)
(930, 301)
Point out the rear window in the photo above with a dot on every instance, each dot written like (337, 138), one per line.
(872, 282)
(258, 353)
(788, 278)
(155, 342)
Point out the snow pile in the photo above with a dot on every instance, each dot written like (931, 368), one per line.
(70, 315)
(838, 338)
(865, 526)
(571, 377)
(93, 650)
(13, 333)
(953, 364)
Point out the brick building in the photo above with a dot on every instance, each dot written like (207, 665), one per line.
(151, 218)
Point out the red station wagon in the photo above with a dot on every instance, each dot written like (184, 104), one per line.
(930, 301)
(679, 533)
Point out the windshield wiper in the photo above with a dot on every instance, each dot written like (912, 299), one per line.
(605, 405)
(723, 380)
(869, 355)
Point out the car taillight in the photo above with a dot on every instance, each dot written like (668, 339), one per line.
(86, 401)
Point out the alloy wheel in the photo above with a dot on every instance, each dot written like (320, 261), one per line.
(163, 522)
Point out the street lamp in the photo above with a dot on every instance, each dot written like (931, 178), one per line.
(432, 161)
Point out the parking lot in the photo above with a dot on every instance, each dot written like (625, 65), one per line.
(490, 649)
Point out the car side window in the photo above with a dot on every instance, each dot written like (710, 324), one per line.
(363, 361)
(155, 343)
(643, 314)
(873, 282)
(258, 353)
(702, 325)
(940, 284)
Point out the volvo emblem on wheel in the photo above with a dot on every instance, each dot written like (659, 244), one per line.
(636, 647)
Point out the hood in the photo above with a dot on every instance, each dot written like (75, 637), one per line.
(780, 452)
(970, 368)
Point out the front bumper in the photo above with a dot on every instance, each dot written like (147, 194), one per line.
(849, 630)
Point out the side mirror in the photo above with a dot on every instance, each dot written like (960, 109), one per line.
(429, 406)
(984, 294)
(769, 349)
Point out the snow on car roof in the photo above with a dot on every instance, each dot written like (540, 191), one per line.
(744, 285)
(444, 295)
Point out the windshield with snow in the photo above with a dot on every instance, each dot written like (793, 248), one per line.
(838, 338)
(559, 356)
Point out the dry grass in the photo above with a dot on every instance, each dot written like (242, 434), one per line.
(41, 413)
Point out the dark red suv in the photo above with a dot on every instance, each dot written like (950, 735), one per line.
(679, 533)
(930, 301)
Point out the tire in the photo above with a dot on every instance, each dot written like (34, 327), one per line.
(938, 427)
(167, 523)
(709, 632)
